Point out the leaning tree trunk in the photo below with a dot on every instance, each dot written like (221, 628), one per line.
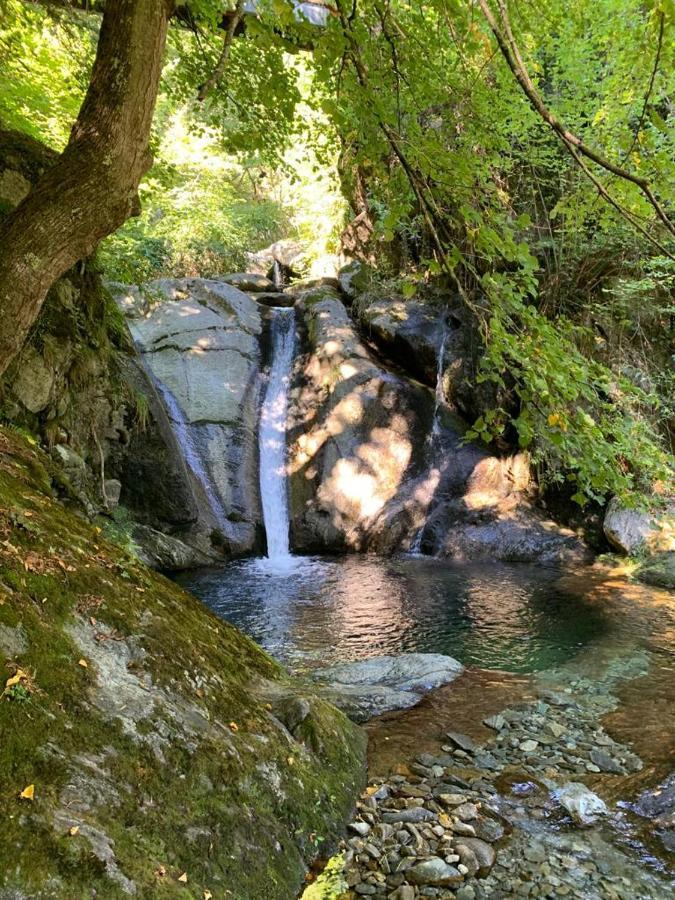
(92, 187)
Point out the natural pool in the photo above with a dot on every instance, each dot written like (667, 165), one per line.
(324, 610)
(518, 629)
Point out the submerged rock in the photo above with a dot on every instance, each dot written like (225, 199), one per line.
(374, 686)
(583, 805)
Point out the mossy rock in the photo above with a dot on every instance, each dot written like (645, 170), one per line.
(659, 571)
(151, 730)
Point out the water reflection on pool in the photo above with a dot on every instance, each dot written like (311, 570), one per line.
(515, 618)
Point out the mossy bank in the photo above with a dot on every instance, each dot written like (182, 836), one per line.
(165, 755)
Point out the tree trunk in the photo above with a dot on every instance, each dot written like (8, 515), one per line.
(92, 187)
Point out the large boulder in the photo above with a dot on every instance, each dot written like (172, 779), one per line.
(247, 281)
(373, 686)
(374, 459)
(633, 530)
(433, 342)
(164, 753)
(200, 343)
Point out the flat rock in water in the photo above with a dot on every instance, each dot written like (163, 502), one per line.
(374, 686)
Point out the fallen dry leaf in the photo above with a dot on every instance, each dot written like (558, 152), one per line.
(83, 663)
(234, 726)
(183, 877)
(73, 830)
(28, 793)
(207, 894)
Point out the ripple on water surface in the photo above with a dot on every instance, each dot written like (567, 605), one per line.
(320, 611)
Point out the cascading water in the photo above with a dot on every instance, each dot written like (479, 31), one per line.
(272, 437)
(189, 451)
(440, 391)
(416, 543)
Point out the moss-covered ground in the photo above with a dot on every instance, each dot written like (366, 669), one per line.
(150, 730)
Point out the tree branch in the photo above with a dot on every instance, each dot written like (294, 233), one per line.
(220, 66)
(511, 53)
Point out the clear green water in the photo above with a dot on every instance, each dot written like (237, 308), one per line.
(320, 611)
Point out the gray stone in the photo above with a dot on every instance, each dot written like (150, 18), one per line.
(166, 553)
(497, 722)
(583, 805)
(606, 763)
(414, 814)
(112, 489)
(404, 892)
(630, 530)
(201, 346)
(483, 852)
(433, 871)
(13, 641)
(373, 686)
(361, 828)
(34, 381)
(247, 281)
(463, 741)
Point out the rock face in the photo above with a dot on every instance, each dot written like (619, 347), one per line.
(174, 744)
(374, 686)
(631, 530)
(65, 385)
(199, 340)
(373, 459)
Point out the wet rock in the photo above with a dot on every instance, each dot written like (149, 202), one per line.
(583, 805)
(463, 741)
(483, 852)
(433, 871)
(201, 346)
(497, 723)
(373, 686)
(361, 828)
(166, 553)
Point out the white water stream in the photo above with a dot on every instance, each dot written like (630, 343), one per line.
(416, 543)
(272, 437)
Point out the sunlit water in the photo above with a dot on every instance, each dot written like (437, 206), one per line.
(322, 611)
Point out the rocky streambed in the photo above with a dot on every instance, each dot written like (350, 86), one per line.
(514, 815)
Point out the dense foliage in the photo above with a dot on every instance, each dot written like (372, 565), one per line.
(565, 265)
(573, 291)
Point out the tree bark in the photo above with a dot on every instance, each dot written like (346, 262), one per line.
(92, 187)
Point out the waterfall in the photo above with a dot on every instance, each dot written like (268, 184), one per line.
(416, 543)
(440, 393)
(272, 436)
(190, 451)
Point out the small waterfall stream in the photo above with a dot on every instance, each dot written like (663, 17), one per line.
(272, 436)
(416, 543)
(192, 455)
